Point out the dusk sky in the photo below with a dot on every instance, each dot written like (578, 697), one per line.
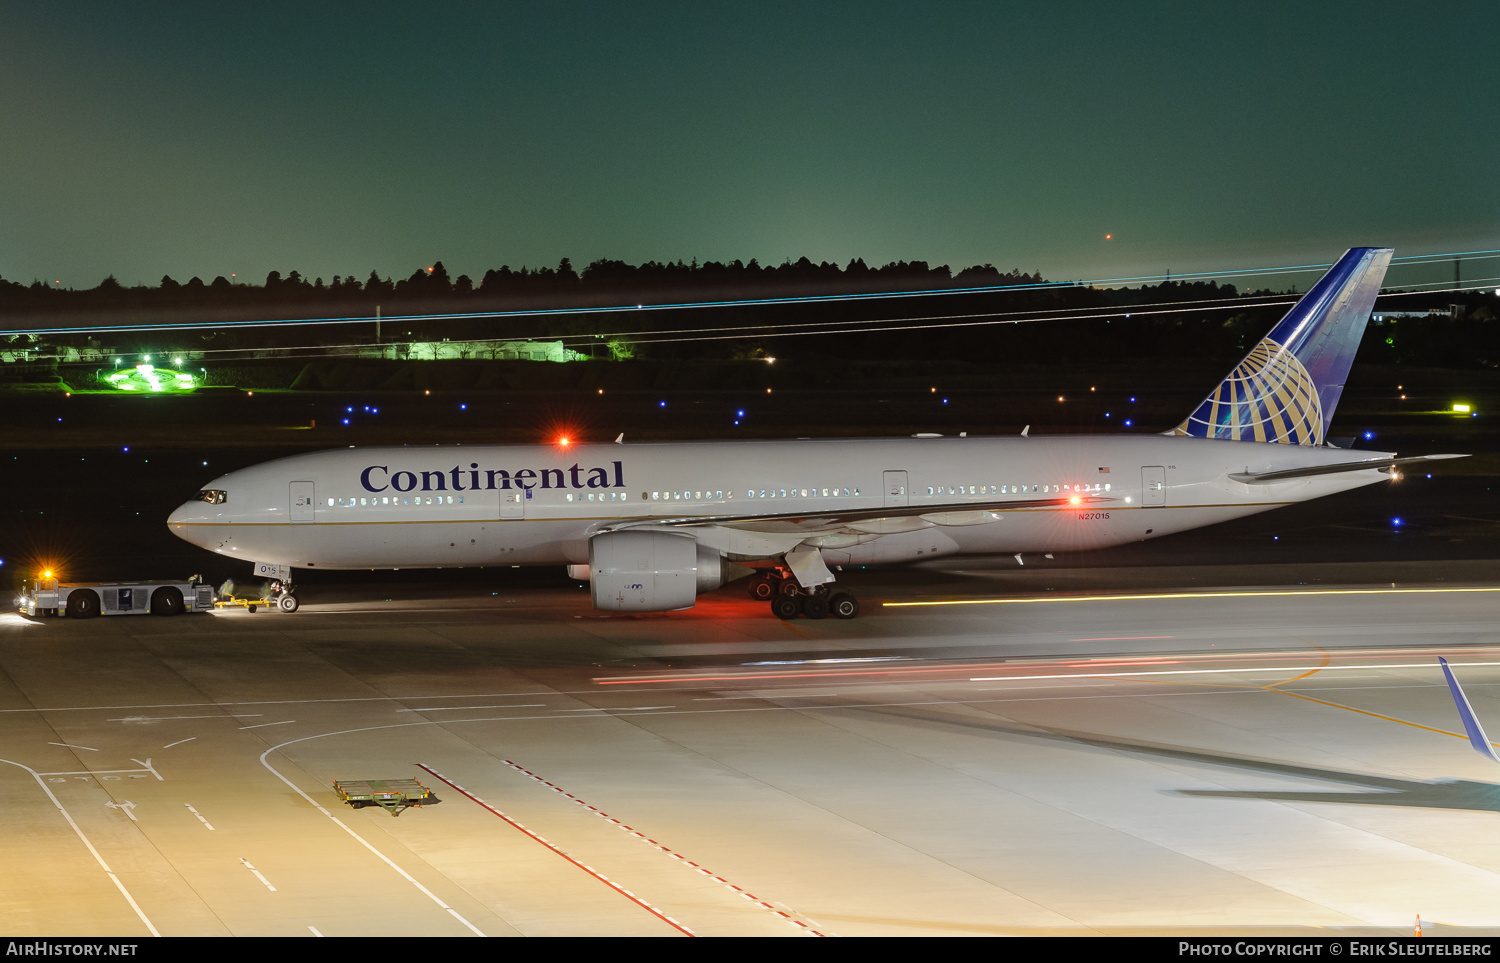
(142, 139)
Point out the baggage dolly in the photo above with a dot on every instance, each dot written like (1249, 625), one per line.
(392, 795)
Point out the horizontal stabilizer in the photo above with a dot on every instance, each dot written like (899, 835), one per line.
(1477, 738)
(1255, 478)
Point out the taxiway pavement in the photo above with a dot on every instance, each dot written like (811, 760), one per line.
(1256, 757)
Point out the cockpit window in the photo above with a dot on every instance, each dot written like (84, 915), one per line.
(212, 497)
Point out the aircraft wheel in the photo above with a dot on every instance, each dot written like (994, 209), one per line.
(83, 604)
(166, 601)
(288, 603)
(763, 588)
(815, 606)
(789, 586)
(843, 606)
(786, 607)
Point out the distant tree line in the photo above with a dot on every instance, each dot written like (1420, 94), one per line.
(601, 278)
(968, 325)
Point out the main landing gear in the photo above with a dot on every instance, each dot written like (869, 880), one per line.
(789, 599)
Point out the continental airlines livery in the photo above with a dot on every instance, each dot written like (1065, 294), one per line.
(653, 525)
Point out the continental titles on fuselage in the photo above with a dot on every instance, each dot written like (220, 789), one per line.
(379, 478)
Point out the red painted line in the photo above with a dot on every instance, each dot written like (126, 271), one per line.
(586, 868)
(599, 812)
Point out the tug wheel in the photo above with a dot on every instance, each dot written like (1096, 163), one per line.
(166, 601)
(83, 604)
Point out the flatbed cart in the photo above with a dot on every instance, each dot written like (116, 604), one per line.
(392, 795)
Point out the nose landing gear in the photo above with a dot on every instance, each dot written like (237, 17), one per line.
(283, 594)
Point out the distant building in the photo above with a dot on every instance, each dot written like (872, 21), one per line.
(1454, 312)
(487, 350)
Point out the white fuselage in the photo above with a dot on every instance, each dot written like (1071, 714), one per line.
(455, 506)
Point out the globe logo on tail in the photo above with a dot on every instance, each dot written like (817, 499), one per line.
(1269, 397)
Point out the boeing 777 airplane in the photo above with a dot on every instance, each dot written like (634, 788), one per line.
(653, 525)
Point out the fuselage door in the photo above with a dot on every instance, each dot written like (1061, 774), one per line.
(895, 489)
(513, 502)
(302, 504)
(1153, 487)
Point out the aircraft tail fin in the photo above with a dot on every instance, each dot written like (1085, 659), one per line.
(1288, 385)
(1477, 738)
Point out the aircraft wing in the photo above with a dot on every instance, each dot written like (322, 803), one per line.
(1256, 478)
(870, 520)
(1477, 738)
(798, 537)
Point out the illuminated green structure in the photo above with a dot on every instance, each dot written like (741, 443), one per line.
(148, 378)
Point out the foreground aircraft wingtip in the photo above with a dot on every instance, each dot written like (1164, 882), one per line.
(1472, 728)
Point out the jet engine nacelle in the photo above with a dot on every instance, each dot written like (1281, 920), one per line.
(643, 571)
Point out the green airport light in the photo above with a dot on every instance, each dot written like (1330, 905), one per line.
(145, 378)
